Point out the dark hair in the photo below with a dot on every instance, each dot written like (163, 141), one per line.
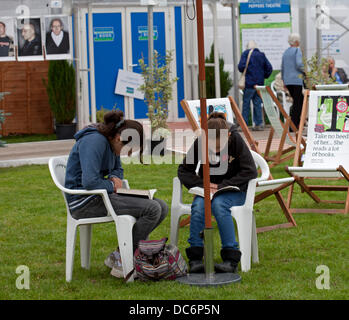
(216, 121)
(114, 123)
(56, 19)
(3, 24)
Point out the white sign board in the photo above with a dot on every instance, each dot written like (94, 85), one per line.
(328, 130)
(128, 83)
(272, 41)
(221, 105)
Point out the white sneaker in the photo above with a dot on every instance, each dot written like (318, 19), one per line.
(113, 261)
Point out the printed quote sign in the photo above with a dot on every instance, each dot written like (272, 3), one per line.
(328, 130)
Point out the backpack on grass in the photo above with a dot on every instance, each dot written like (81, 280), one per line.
(156, 260)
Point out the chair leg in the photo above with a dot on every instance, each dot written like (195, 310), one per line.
(174, 228)
(255, 257)
(70, 250)
(85, 245)
(244, 225)
(124, 226)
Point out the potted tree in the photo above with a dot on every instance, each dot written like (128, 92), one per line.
(316, 72)
(157, 89)
(61, 92)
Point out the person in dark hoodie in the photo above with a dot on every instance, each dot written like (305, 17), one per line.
(94, 163)
(231, 164)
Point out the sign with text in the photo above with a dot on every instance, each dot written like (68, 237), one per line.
(103, 34)
(268, 23)
(128, 83)
(328, 130)
(265, 6)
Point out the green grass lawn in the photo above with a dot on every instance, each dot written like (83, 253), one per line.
(33, 222)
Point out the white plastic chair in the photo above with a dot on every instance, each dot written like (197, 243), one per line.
(286, 105)
(124, 224)
(243, 215)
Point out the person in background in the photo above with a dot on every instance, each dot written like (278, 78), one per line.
(292, 70)
(57, 41)
(259, 68)
(32, 43)
(335, 73)
(6, 42)
(94, 163)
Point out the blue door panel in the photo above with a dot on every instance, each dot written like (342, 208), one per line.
(139, 22)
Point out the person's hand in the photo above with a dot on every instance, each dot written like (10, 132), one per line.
(213, 188)
(117, 183)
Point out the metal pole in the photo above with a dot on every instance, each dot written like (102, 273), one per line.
(92, 64)
(318, 32)
(213, 7)
(236, 47)
(150, 36)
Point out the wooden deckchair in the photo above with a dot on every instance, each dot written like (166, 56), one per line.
(325, 165)
(281, 130)
(233, 115)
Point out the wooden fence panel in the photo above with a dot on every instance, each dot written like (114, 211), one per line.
(28, 101)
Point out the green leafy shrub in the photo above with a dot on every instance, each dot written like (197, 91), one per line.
(61, 90)
(225, 80)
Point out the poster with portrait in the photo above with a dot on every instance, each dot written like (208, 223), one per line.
(7, 39)
(29, 35)
(58, 37)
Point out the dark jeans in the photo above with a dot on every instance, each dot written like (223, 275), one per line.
(252, 94)
(149, 213)
(296, 109)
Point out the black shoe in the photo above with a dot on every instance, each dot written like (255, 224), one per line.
(195, 255)
(196, 266)
(226, 267)
(231, 258)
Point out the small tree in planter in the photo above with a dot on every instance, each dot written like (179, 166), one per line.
(316, 72)
(157, 89)
(61, 90)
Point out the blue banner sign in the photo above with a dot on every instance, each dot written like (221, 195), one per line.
(143, 33)
(265, 6)
(103, 34)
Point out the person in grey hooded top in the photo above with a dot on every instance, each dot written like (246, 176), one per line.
(94, 163)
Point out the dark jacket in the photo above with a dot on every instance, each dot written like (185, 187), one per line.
(239, 162)
(90, 161)
(51, 47)
(259, 68)
(31, 48)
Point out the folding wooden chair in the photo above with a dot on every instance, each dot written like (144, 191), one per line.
(287, 144)
(264, 189)
(327, 153)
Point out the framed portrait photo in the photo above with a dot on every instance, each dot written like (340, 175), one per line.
(7, 39)
(29, 35)
(58, 37)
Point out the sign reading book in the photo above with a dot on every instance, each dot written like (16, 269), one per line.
(328, 129)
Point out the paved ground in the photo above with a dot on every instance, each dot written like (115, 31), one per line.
(18, 154)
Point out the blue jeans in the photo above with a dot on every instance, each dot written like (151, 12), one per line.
(221, 211)
(251, 94)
